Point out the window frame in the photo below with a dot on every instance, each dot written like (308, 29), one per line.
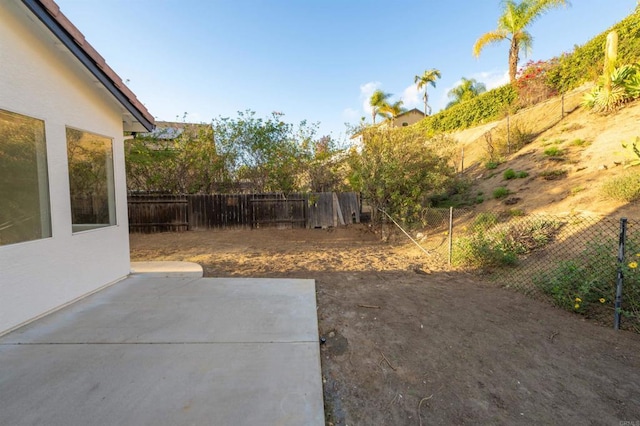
(42, 178)
(110, 175)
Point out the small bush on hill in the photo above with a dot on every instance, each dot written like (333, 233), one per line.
(493, 245)
(553, 151)
(579, 142)
(509, 174)
(500, 192)
(512, 174)
(623, 188)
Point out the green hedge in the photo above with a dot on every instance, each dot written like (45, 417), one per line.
(585, 62)
(486, 107)
(582, 65)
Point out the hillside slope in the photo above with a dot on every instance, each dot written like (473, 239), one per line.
(568, 159)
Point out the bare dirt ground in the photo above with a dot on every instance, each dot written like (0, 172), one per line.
(410, 344)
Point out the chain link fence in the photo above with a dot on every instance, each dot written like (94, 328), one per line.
(570, 261)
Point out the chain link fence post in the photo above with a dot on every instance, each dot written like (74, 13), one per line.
(620, 277)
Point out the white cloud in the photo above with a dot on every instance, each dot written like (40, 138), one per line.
(491, 79)
(411, 98)
(366, 90)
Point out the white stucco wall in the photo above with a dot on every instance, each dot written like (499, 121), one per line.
(41, 79)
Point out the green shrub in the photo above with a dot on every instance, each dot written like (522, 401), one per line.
(483, 221)
(579, 142)
(587, 281)
(490, 165)
(480, 251)
(512, 174)
(500, 192)
(509, 174)
(501, 244)
(623, 188)
(553, 151)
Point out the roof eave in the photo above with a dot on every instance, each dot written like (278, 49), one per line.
(139, 120)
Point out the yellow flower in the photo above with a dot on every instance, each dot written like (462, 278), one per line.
(576, 306)
(602, 300)
(633, 265)
(578, 300)
(637, 254)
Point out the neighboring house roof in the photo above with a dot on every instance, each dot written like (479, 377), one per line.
(136, 118)
(411, 111)
(169, 130)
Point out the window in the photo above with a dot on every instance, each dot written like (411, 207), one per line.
(90, 180)
(24, 186)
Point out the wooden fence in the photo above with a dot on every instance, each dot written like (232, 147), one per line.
(161, 213)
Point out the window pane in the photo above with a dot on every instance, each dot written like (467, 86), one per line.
(90, 180)
(24, 187)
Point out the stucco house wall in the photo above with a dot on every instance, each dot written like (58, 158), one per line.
(40, 78)
(408, 118)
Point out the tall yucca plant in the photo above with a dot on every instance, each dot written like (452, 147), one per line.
(617, 85)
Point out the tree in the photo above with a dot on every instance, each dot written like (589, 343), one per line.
(186, 163)
(428, 77)
(325, 169)
(391, 111)
(266, 153)
(398, 169)
(467, 89)
(516, 17)
(379, 102)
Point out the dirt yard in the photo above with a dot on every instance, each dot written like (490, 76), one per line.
(408, 344)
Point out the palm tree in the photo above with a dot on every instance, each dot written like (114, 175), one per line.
(391, 111)
(512, 24)
(467, 89)
(428, 77)
(379, 103)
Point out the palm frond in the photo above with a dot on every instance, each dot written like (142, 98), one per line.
(537, 8)
(429, 76)
(488, 38)
(525, 41)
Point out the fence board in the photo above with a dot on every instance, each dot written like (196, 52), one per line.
(158, 213)
(320, 210)
(161, 213)
(350, 205)
(279, 210)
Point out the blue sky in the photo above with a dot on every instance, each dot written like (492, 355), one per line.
(311, 60)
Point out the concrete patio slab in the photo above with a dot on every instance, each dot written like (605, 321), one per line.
(169, 351)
